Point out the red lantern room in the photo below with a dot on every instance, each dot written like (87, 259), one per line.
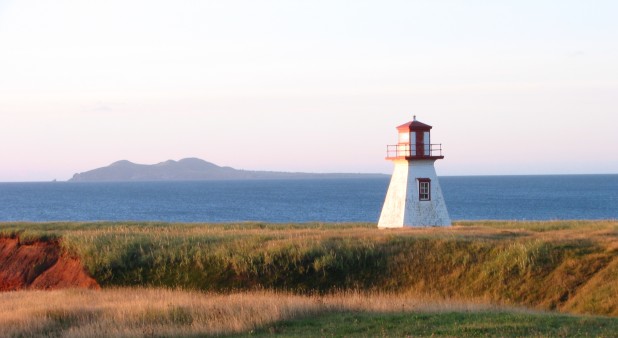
(414, 143)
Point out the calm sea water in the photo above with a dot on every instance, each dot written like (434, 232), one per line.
(344, 200)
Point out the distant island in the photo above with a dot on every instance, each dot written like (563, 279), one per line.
(192, 169)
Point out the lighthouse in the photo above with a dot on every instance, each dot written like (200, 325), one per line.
(414, 197)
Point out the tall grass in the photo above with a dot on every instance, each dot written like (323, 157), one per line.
(558, 265)
(164, 312)
(141, 312)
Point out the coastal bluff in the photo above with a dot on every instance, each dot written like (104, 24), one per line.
(40, 264)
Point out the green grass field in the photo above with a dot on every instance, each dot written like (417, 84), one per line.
(450, 324)
(569, 268)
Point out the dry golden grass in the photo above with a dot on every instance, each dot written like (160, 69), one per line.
(164, 312)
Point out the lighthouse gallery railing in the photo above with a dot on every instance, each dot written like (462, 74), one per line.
(413, 150)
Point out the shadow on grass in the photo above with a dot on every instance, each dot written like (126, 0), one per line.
(453, 324)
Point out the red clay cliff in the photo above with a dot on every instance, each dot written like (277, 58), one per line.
(40, 265)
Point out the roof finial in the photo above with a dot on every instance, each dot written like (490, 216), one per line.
(414, 117)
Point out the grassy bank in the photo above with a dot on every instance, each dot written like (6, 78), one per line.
(158, 312)
(568, 266)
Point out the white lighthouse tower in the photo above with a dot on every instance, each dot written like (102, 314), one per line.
(414, 197)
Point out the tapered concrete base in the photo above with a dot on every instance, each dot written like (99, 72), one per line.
(402, 206)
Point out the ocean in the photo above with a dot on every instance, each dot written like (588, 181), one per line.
(331, 200)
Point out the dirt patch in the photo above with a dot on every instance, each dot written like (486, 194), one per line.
(40, 265)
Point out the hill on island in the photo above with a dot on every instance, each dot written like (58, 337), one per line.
(191, 169)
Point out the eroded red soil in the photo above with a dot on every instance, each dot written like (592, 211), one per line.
(40, 265)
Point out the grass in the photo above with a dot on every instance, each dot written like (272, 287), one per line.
(442, 324)
(568, 266)
(162, 312)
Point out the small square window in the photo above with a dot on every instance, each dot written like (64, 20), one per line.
(424, 189)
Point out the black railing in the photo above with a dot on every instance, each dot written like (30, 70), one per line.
(414, 150)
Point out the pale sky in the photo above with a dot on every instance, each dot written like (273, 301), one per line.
(511, 87)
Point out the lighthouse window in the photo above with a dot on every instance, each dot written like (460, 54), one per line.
(424, 189)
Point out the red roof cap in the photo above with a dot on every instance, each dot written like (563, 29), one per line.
(414, 125)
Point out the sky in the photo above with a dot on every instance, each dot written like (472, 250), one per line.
(510, 87)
